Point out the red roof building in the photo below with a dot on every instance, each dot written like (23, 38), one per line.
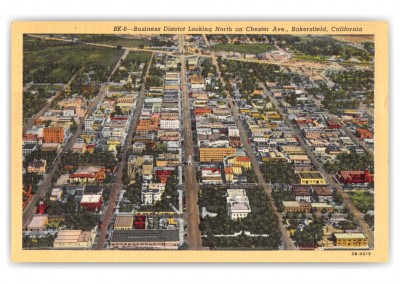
(333, 124)
(200, 111)
(91, 202)
(42, 207)
(163, 173)
(140, 222)
(348, 177)
(364, 134)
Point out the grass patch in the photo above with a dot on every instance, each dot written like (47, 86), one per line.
(243, 48)
(54, 223)
(142, 56)
(363, 200)
(302, 57)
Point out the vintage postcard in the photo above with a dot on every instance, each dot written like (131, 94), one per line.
(200, 142)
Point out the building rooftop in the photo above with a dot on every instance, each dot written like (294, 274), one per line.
(323, 191)
(38, 221)
(291, 203)
(349, 236)
(29, 146)
(72, 236)
(301, 191)
(307, 175)
(123, 221)
(320, 205)
(145, 236)
(91, 198)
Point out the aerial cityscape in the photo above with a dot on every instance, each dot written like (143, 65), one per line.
(198, 142)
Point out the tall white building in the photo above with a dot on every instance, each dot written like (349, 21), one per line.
(233, 131)
(169, 124)
(89, 122)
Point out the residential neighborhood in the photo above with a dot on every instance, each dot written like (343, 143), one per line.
(198, 142)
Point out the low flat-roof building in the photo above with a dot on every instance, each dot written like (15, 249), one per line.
(56, 194)
(123, 222)
(311, 177)
(37, 166)
(350, 240)
(321, 207)
(74, 239)
(38, 223)
(91, 202)
(322, 194)
(79, 148)
(131, 239)
(296, 206)
(29, 148)
(302, 194)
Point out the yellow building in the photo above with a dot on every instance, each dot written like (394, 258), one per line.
(350, 240)
(112, 144)
(147, 169)
(229, 174)
(258, 92)
(311, 177)
(237, 169)
(244, 162)
(215, 154)
(125, 107)
(273, 115)
(88, 136)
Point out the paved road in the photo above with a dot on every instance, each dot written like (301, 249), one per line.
(191, 185)
(116, 189)
(30, 209)
(369, 110)
(346, 199)
(206, 40)
(27, 86)
(287, 241)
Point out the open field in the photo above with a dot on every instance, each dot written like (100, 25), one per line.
(128, 42)
(142, 56)
(114, 40)
(354, 38)
(303, 57)
(56, 61)
(243, 48)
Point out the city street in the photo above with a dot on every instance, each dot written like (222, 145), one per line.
(346, 199)
(191, 185)
(30, 209)
(115, 191)
(287, 241)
